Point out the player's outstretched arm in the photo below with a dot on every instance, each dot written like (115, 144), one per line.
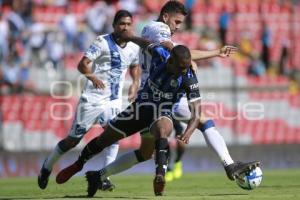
(193, 123)
(224, 52)
(85, 69)
(135, 73)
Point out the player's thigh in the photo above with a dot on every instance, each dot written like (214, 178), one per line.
(147, 144)
(85, 117)
(162, 127)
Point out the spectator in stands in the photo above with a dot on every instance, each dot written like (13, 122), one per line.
(189, 18)
(4, 35)
(266, 43)
(99, 17)
(16, 24)
(36, 42)
(285, 44)
(68, 24)
(130, 5)
(224, 24)
(55, 49)
(256, 66)
(12, 74)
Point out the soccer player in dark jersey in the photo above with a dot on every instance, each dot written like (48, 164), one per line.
(170, 78)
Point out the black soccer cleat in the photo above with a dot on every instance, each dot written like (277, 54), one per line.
(235, 169)
(43, 178)
(159, 183)
(93, 179)
(106, 185)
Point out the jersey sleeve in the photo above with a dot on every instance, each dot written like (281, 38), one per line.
(157, 32)
(136, 57)
(95, 49)
(192, 90)
(158, 52)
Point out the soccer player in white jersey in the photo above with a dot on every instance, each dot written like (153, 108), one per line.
(171, 17)
(101, 98)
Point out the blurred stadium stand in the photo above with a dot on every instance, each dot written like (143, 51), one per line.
(42, 42)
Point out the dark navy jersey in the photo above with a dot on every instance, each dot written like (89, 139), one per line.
(162, 86)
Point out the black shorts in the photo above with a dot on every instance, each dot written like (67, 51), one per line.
(137, 117)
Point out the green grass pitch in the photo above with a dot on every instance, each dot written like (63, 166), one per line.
(277, 184)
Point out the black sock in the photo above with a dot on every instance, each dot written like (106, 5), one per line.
(179, 153)
(91, 149)
(161, 153)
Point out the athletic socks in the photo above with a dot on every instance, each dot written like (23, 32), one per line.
(161, 155)
(54, 156)
(110, 154)
(123, 163)
(215, 141)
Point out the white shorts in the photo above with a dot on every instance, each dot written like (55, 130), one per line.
(87, 114)
(181, 111)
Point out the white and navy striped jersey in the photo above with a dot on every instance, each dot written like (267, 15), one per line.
(156, 32)
(110, 63)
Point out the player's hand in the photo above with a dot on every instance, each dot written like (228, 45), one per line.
(184, 138)
(97, 83)
(194, 67)
(168, 44)
(227, 51)
(132, 92)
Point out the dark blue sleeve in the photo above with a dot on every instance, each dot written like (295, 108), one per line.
(191, 86)
(160, 52)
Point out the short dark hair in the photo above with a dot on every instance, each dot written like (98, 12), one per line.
(120, 14)
(173, 7)
(181, 51)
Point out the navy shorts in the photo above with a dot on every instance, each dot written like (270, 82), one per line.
(137, 117)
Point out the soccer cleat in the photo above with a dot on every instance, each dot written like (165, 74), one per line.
(106, 185)
(177, 171)
(93, 178)
(159, 185)
(169, 176)
(43, 178)
(235, 169)
(65, 174)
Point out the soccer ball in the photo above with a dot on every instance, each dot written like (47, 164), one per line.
(250, 180)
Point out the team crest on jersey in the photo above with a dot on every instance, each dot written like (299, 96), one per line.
(173, 83)
(159, 81)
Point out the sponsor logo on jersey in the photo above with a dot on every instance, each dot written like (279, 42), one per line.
(194, 86)
(158, 92)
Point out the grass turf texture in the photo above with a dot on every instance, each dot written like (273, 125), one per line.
(277, 184)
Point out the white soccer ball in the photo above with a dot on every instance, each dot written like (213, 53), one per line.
(250, 180)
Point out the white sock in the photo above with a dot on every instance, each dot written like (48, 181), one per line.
(110, 153)
(53, 158)
(121, 164)
(215, 141)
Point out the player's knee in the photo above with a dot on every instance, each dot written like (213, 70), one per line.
(68, 143)
(142, 156)
(207, 124)
(161, 131)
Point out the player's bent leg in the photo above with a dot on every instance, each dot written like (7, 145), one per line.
(95, 146)
(161, 129)
(180, 148)
(110, 155)
(62, 147)
(130, 159)
(216, 142)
